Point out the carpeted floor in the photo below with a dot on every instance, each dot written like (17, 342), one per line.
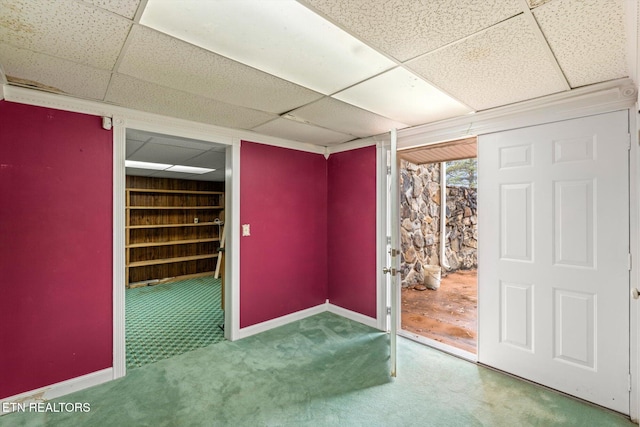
(321, 371)
(165, 320)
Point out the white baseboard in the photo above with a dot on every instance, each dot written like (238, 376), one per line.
(59, 389)
(352, 315)
(280, 321)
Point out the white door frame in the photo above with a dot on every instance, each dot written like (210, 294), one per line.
(605, 97)
(232, 218)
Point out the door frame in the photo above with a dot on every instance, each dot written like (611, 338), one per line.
(600, 98)
(232, 218)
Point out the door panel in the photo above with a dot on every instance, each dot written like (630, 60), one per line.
(553, 256)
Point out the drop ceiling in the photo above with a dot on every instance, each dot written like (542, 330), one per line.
(151, 147)
(323, 72)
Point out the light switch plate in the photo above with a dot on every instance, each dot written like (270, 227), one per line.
(246, 230)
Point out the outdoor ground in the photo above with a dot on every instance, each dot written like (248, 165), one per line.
(448, 315)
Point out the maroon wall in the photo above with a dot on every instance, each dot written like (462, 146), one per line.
(352, 230)
(283, 264)
(55, 247)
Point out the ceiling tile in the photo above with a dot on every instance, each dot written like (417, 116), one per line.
(177, 141)
(209, 159)
(138, 135)
(405, 29)
(403, 97)
(53, 74)
(158, 153)
(133, 93)
(282, 38)
(536, 3)
(164, 60)
(587, 38)
(345, 118)
(139, 172)
(211, 176)
(126, 8)
(302, 132)
(505, 64)
(74, 31)
(132, 146)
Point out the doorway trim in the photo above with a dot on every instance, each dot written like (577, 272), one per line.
(232, 217)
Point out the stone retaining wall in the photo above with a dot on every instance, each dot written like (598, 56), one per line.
(420, 223)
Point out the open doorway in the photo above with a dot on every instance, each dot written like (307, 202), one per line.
(438, 233)
(174, 231)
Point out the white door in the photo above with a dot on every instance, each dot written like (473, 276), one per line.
(553, 285)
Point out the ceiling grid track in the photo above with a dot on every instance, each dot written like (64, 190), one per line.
(540, 35)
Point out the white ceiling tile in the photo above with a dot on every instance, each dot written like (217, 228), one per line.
(164, 60)
(405, 29)
(138, 135)
(158, 153)
(505, 64)
(74, 31)
(139, 172)
(133, 93)
(282, 38)
(345, 118)
(132, 146)
(403, 97)
(302, 132)
(126, 8)
(587, 38)
(536, 3)
(209, 159)
(211, 176)
(181, 142)
(53, 74)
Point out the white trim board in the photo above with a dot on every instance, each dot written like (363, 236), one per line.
(352, 315)
(59, 389)
(280, 321)
(66, 103)
(118, 247)
(303, 314)
(595, 99)
(232, 245)
(634, 248)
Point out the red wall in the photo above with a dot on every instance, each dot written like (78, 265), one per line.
(55, 250)
(352, 230)
(283, 267)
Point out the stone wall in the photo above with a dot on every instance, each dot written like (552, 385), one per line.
(420, 223)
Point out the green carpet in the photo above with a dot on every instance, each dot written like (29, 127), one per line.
(165, 320)
(321, 371)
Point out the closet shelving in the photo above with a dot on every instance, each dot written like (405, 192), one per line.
(172, 228)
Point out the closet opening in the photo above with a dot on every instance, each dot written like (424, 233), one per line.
(174, 244)
(439, 241)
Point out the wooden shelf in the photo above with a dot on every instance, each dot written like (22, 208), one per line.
(172, 242)
(170, 260)
(154, 190)
(189, 224)
(161, 237)
(174, 207)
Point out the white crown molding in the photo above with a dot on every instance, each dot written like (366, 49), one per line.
(135, 118)
(595, 99)
(359, 143)
(2, 92)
